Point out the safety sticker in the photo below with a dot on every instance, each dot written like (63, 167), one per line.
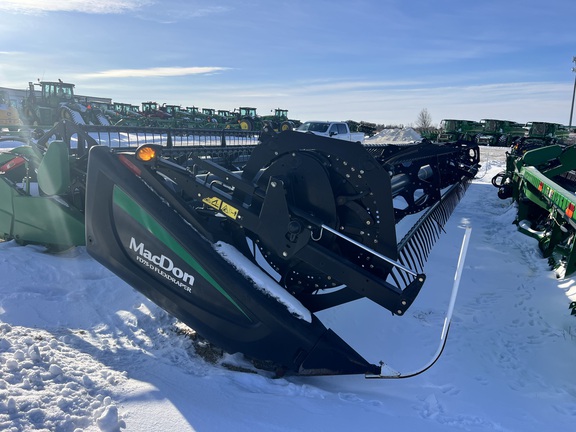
(218, 204)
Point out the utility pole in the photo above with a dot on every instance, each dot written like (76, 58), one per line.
(573, 94)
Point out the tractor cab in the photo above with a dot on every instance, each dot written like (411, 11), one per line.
(281, 113)
(151, 109)
(173, 110)
(126, 108)
(54, 93)
(224, 113)
(247, 112)
(455, 129)
(547, 130)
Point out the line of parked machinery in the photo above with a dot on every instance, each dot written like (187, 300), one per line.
(56, 100)
(501, 133)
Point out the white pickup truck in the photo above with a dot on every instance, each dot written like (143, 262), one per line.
(338, 130)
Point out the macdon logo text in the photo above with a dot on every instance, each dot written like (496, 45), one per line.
(162, 265)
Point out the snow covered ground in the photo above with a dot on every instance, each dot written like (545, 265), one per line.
(81, 350)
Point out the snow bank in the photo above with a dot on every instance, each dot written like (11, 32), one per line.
(395, 136)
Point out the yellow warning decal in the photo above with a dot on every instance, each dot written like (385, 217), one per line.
(213, 202)
(227, 209)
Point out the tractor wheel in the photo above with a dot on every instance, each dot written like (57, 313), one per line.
(246, 124)
(286, 126)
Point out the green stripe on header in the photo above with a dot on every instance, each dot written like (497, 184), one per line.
(126, 203)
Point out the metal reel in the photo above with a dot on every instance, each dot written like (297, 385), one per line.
(331, 191)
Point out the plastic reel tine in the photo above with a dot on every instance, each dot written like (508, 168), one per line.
(409, 251)
(394, 275)
(419, 247)
(426, 236)
(431, 235)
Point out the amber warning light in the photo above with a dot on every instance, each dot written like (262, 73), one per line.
(146, 153)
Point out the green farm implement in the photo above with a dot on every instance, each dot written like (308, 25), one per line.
(41, 196)
(247, 253)
(459, 130)
(541, 180)
(43, 181)
(245, 237)
(542, 134)
(501, 133)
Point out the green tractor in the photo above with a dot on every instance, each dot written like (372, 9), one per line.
(280, 121)
(107, 109)
(459, 130)
(195, 115)
(154, 116)
(206, 118)
(501, 133)
(248, 119)
(210, 117)
(180, 117)
(175, 111)
(127, 114)
(225, 115)
(227, 119)
(192, 110)
(56, 102)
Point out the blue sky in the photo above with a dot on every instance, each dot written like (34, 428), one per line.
(374, 60)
